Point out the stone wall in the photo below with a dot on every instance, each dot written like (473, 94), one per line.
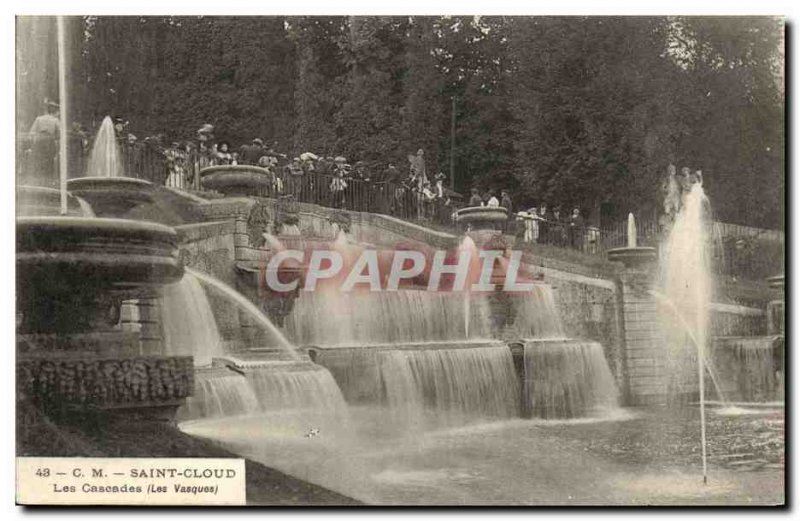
(736, 320)
(210, 247)
(589, 307)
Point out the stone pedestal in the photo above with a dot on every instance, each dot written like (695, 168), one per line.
(644, 355)
(644, 360)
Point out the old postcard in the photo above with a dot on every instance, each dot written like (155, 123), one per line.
(400, 260)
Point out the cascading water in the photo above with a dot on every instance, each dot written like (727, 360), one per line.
(255, 313)
(567, 379)
(265, 387)
(188, 323)
(382, 347)
(536, 314)
(105, 159)
(374, 318)
(220, 393)
(474, 381)
(293, 386)
(284, 380)
(749, 367)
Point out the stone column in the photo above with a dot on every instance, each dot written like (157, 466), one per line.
(776, 325)
(644, 358)
(644, 354)
(152, 342)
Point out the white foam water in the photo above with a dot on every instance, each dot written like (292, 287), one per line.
(218, 394)
(366, 318)
(282, 386)
(473, 381)
(105, 159)
(567, 379)
(686, 291)
(188, 322)
(269, 387)
(748, 367)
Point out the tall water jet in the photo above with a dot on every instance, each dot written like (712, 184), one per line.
(62, 94)
(105, 159)
(631, 231)
(686, 284)
(104, 185)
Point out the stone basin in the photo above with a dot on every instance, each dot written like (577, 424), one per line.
(112, 196)
(69, 269)
(236, 180)
(632, 256)
(42, 201)
(482, 215)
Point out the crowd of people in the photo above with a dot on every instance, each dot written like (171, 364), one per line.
(327, 180)
(538, 224)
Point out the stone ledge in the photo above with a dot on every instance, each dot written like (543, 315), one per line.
(206, 230)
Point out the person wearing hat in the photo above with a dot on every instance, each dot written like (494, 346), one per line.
(249, 154)
(418, 167)
(206, 152)
(308, 162)
(47, 123)
(576, 229)
(222, 155)
(176, 165)
(475, 198)
(493, 202)
(338, 185)
(558, 232)
(529, 222)
(324, 166)
(120, 124)
(543, 222)
(440, 179)
(428, 198)
(44, 133)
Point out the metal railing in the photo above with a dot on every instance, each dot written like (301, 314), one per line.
(739, 251)
(348, 193)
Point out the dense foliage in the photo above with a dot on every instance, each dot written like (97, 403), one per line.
(571, 110)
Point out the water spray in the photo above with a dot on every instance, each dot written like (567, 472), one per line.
(687, 287)
(702, 413)
(62, 99)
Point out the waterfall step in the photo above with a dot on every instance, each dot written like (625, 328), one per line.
(265, 360)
